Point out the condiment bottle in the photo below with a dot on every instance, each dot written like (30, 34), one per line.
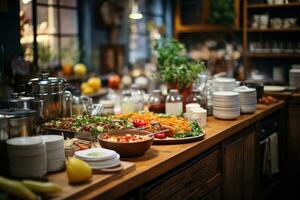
(197, 97)
(209, 95)
(138, 98)
(174, 103)
(127, 103)
(156, 102)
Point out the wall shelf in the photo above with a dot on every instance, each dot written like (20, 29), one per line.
(274, 55)
(262, 5)
(274, 30)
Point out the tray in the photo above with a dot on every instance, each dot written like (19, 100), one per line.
(169, 140)
(69, 134)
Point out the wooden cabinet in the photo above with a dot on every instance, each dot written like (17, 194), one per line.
(192, 16)
(293, 141)
(196, 179)
(239, 166)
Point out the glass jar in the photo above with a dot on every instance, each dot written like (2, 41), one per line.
(127, 103)
(197, 97)
(138, 98)
(209, 91)
(156, 102)
(174, 103)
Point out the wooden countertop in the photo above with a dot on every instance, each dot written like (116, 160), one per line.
(162, 158)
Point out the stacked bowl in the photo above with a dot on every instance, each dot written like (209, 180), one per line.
(224, 84)
(55, 152)
(99, 158)
(27, 157)
(226, 105)
(248, 99)
(295, 77)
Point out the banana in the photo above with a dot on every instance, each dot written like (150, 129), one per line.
(16, 188)
(42, 187)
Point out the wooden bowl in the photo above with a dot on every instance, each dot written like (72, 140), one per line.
(131, 149)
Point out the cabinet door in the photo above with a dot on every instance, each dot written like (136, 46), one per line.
(249, 166)
(233, 169)
(214, 194)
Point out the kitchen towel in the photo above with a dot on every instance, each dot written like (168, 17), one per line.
(273, 142)
(266, 159)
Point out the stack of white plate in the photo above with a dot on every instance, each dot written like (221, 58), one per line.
(248, 99)
(295, 77)
(55, 152)
(224, 84)
(99, 158)
(226, 105)
(27, 157)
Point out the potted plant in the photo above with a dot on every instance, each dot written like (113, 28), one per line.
(175, 68)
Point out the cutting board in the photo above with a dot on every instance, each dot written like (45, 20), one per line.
(78, 190)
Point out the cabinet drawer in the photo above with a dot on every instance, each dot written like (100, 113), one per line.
(191, 180)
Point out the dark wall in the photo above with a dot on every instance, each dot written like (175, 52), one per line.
(10, 39)
(9, 27)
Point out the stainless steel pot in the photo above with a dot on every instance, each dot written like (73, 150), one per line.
(17, 123)
(50, 97)
(21, 102)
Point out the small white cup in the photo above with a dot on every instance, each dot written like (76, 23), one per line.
(200, 115)
(190, 106)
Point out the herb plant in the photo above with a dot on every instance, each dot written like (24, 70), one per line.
(174, 66)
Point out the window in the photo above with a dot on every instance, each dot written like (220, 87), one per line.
(49, 32)
(144, 31)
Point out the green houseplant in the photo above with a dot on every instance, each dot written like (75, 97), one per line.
(174, 67)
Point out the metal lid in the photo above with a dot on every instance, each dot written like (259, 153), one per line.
(45, 84)
(13, 113)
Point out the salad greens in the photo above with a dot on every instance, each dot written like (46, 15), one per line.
(196, 131)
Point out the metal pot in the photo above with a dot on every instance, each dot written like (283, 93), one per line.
(17, 123)
(21, 102)
(49, 97)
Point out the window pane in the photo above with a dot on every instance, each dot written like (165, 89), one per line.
(68, 2)
(138, 48)
(69, 50)
(68, 23)
(47, 51)
(26, 30)
(49, 2)
(46, 20)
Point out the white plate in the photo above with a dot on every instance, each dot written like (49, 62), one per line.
(273, 88)
(27, 152)
(226, 116)
(226, 94)
(104, 154)
(245, 89)
(24, 142)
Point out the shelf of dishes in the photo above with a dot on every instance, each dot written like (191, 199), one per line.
(273, 47)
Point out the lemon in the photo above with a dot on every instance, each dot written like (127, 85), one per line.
(78, 170)
(84, 85)
(87, 90)
(95, 83)
(80, 69)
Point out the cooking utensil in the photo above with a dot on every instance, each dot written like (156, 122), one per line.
(50, 97)
(17, 123)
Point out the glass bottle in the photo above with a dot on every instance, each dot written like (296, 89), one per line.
(197, 97)
(209, 91)
(174, 103)
(138, 98)
(156, 102)
(127, 103)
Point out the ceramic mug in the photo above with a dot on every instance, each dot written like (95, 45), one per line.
(276, 23)
(264, 21)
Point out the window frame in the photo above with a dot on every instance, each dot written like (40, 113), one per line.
(59, 35)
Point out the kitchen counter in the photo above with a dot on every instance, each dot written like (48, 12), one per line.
(162, 158)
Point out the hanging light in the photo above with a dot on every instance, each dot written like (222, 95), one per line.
(135, 14)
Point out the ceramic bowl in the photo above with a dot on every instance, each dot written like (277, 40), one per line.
(132, 149)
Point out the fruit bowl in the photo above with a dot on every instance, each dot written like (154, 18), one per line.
(127, 142)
